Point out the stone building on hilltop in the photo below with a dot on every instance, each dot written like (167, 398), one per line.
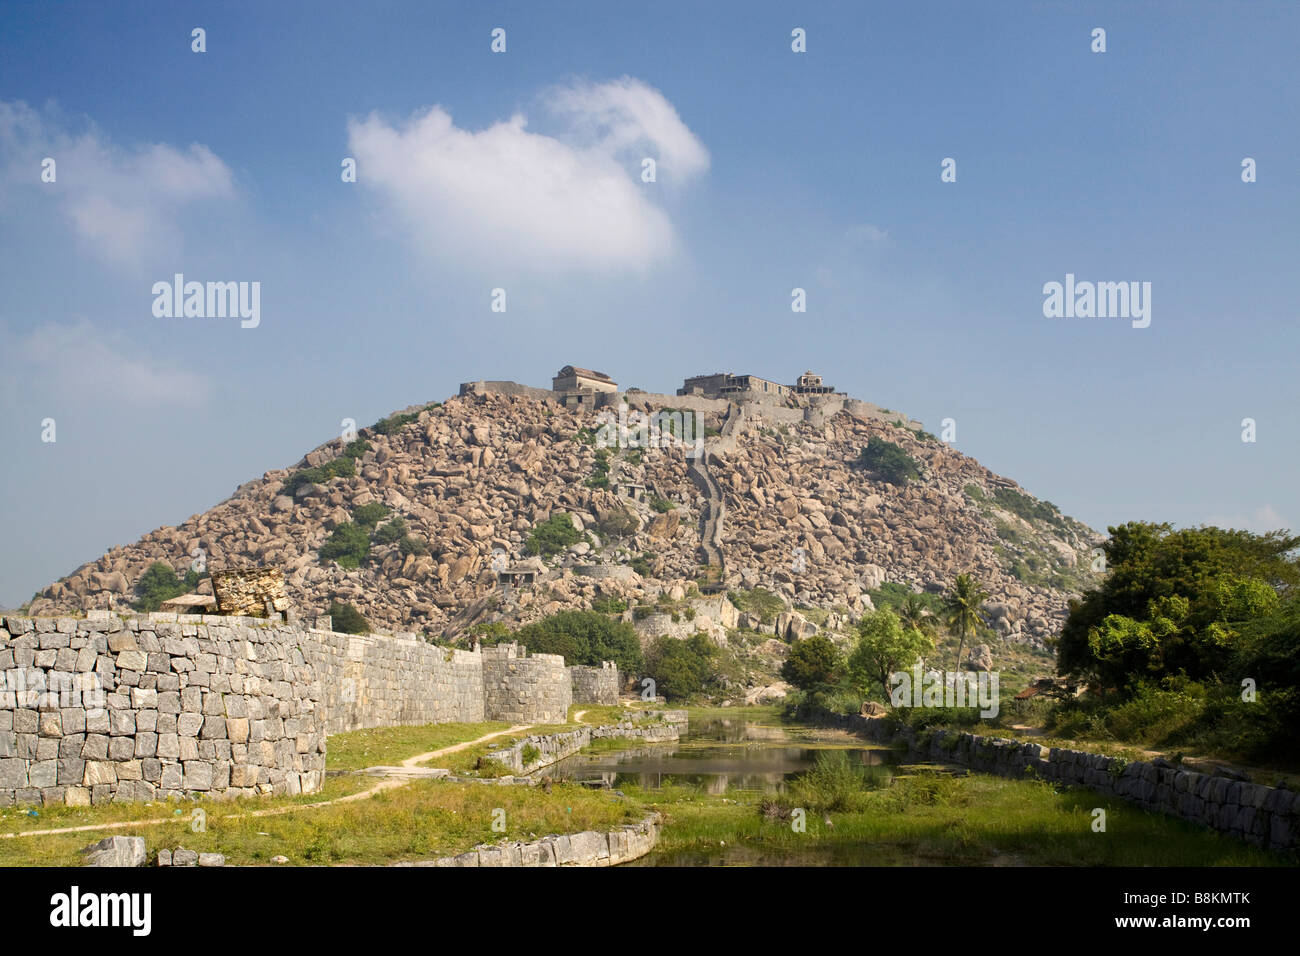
(727, 385)
(583, 388)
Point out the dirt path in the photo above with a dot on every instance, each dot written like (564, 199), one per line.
(410, 763)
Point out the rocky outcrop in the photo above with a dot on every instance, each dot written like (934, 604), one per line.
(474, 476)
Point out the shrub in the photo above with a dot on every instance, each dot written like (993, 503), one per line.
(386, 426)
(836, 783)
(661, 505)
(409, 545)
(759, 601)
(161, 583)
(584, 637)
(391, 532)
(812, 662)
(320, 475)
(888, 461)
(346, 619)
(348, 544)
(619, 523)
(529, 754)
(609, 605)
(369, 515)
(681, 669)
(553, 535)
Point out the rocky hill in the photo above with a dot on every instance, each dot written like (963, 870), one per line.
(476, 478)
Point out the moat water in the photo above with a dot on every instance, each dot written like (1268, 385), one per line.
(721, 755)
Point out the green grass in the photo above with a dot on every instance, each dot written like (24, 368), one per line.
(940, 819)
(466, 761)
(418, 821)
(388, 746)
(598, 714)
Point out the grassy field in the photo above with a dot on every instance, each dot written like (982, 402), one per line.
(388, 746)
(416, 821)
(932, 820)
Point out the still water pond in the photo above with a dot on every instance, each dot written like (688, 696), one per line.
(718, 755)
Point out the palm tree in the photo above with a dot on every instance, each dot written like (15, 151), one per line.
(962, 606)
(914, 614)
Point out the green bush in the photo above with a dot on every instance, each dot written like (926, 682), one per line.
(346, 619)
(661, 505)
(682, 669)
(529, 754)
(584, 637)
(812, 662)
(391, 532)
(553, 535)
(409, 545)
(348, 544)
(758, 601)
(320, 475)
(369, 515)
(836, 784)
(161, 583)
(609, 605)
(888, 461)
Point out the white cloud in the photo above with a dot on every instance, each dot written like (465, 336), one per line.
(1263, 518)
(507, 196)
(125, 204)
(76, 361)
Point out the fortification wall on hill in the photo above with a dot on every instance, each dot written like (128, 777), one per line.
(595, 685)
(161, 705)
(521, 689)
(106, 709)
(378, 681)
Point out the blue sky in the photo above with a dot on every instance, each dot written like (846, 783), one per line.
(521, 170)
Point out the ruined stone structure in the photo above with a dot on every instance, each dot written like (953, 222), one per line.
(727, 385)
(112, 709)
(161, 705)
(522, 689)
(595, 685)
(250, 592)
(583, 388)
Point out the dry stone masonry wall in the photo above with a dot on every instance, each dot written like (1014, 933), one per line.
(379, 681)
(522, 689)
(546, 749)
(110, 708)
(106, 709)
(595, 685)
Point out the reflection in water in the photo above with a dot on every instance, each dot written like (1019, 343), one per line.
(715, 755)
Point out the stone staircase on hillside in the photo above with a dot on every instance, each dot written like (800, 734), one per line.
(715, 510)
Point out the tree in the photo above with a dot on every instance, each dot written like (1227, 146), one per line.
(346, 619)
(348, 544)
(161, 583)
(584, 637)
(913, 612)
(553, 535)
(884, 647)
(681, 669)
(962, 606)
(812, 662)
(888, 461)
(1227, 578)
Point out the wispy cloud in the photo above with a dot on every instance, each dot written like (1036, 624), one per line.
(123, 203)
(507, 196)
(80, 363)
